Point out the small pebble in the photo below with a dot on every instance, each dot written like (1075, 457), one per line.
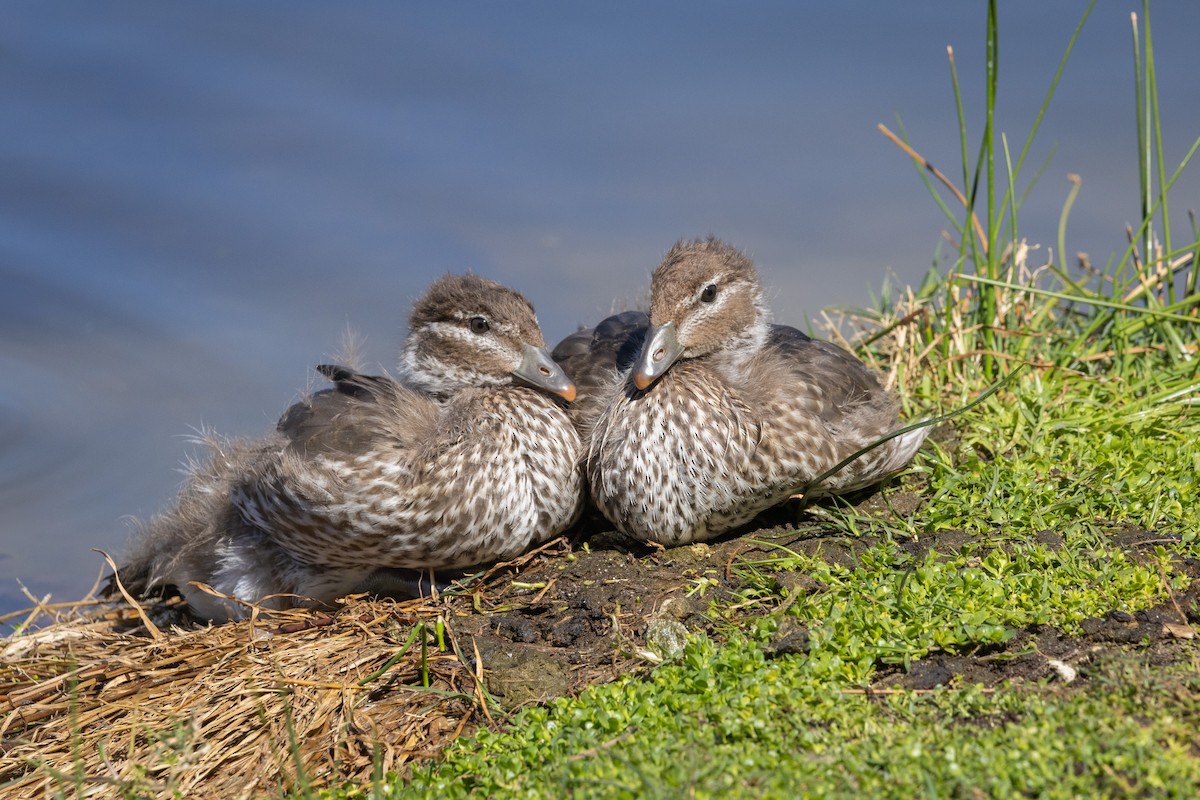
(1064, 670)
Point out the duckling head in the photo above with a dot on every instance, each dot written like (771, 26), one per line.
(467, 332)
(705, 299)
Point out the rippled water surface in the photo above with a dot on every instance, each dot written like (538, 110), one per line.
(196, 200)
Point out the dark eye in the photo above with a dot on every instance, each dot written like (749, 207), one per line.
(709, 294)
(479, 325)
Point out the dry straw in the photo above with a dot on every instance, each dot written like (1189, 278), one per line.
(93, 705)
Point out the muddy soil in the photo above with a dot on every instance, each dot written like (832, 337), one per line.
(603, 606)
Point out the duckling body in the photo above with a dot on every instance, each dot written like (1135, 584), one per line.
(468, 458)
(408, 482)
(722, 414)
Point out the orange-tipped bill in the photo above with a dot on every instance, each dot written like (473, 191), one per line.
(540, 371)
(661, 350)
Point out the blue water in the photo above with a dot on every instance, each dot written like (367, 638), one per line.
(196, 200)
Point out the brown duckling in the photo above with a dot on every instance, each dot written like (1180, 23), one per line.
(468, 458)
(714, 414)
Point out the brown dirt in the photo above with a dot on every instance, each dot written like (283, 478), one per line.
(587, 618)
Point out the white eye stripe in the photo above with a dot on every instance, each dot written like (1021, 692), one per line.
(449, 330)
(496, 327)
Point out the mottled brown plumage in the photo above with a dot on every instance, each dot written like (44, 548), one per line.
(720, 414)
(468, 458)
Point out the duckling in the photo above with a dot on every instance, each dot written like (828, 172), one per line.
(468, 458)
(714, 414)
